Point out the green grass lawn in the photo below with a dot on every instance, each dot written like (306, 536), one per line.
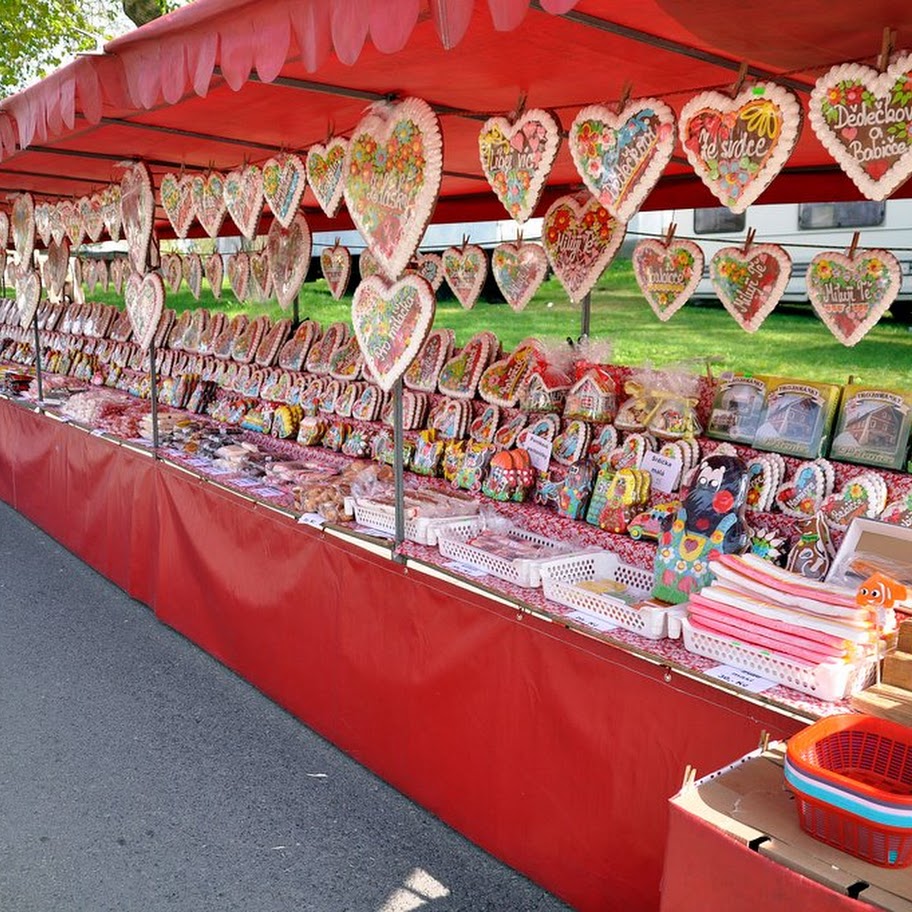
(792, 342)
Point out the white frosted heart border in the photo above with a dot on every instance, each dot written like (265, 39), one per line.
(145, 301)
(456, 257)
(661, 249)
(529, 256)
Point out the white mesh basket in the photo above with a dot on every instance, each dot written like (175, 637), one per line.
(559, 579)
(420, 529)
(526, 572)
(830, 681)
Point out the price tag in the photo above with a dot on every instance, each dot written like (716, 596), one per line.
(267, 491)
(595, 621)
(465, 569)
(539, 450)
(311, 519)
(217, 470)
(374, 533)
(739, 678)
(244, 482)
(97, 432)
(664, 471)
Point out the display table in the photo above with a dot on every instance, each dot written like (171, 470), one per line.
(555, 752)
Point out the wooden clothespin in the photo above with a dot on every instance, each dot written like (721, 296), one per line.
(749, 239)
(739, 82)
(690, 777)
(854, 245)
(465, 242)
(336, 241)
(764, 740)
(520, 108)
(519, 237)
(670, 233)
(330, 131)
(886, 48)
(625, 96)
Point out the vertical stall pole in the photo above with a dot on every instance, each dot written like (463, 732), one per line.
(585, 313)
(38, 359)
(398, 466)
(295, 313)
(153, 394)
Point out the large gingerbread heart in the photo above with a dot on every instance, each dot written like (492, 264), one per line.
(176, 194)
(465, 269)
(738, 145)
(289, 258)
(325, 169)
(55, 268)
(22, 222)
(137, 206)
(517, 158)
(172, 269)
(429, 266)
(459, 377)
(667, 273)
(90, 212)
(145, 300)
(336, 263)
(110, 210)
(28, 294)
(519, 269)
(749, 284)
(850, 294)
(393, 170)
(284, 179)
(244, 199)
(215, 269)
(621, 157)
(239, 274)
(502, 382)
(192, 267)
(424, 371)
(864, 120)
(861, 497)
(209, 201)
(391, 323)
(580, 238)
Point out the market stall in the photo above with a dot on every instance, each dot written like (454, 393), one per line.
(423, 634)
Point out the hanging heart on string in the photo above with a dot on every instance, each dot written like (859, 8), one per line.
(284, 180)
(176, 193)
(172, 270)
(23, 228)
(72, 222)
(118, 273)
(260, 276)
(517, 158)
(863, 118)
(392, 177)
(325, 169)
(209, 201)
(42, 225)
(77, 289)
(580, 238)
(465, 269)
(28, 294)
(621, 156)
(519, 269)
(137, 207)
(244, 199)
(368, 265)
(749, 284)
(336, 263)
(192, 268)
(850, 294)
(429, 266)
(239, 274)
(55, 268)
(101, 275)
(110, 210)
(391, 322)
(145, 299)
(55, 222)
(90, 212)
(215, 273)
(289, 251)
(667, 273)
(738, 145)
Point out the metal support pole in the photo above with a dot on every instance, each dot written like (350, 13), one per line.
(585, 314)
(153, 394)
(38, 359)
(398, 465)
(295, 313)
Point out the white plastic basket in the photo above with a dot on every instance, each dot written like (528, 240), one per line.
(830, 681)
(526, 572)
(559, 579)
(420, 529)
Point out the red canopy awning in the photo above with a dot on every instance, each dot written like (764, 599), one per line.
(219, 82)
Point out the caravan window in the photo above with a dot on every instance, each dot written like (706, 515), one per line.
(841, 215)
(715, 221)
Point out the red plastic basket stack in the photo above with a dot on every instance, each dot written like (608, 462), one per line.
(852, 779)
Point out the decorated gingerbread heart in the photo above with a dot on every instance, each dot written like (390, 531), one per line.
(506, 435)
(459, 377)
(176, 194)
(55, 268)
(90, 212)
(850, 294)
(738, 145)
(750, 282)
(193, 272)
(484, 427)
(42, 225)
(580, 238)
(145, 300)
(325, 171)
(391, 322)
(519, 269)
(621, 156)
(284, 180)
(429, 266)
(208, 194)
(28, 294)
(802, 496)
(862, 496)
(336, 263)
(119, 270)
(243, 191)
(393, 169)
(517, 158)
(863, 118)
(502, 382)
(214, 268)
(368, 405)
(424, 371)
(289, 258)
(260, 276)
(668, 273)
(22, 222)
(239, 274)
(110, 211)
(572, 444)
(899, 512)
(172, 270)
(72, 222)
(346, 361)
(137, 206)
(466, 269)
(56, 225)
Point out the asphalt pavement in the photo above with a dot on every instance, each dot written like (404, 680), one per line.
(137, 773)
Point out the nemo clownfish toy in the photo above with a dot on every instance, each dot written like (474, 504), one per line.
(881, 591)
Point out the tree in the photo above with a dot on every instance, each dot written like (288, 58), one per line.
(39, 35)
